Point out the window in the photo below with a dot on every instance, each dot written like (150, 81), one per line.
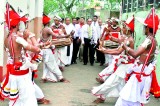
(157, 3)
(129, 5)
(139, 5)
(124, 6)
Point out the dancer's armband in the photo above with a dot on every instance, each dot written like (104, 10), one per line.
(146, 43)
(22, 41)
(31, 35)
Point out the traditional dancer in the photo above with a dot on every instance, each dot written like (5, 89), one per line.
(112, 26)
(136, 92)
(33, 58)
(60, 53)
(51, 71)
(104, 74)
(112, 86)
(17, 86)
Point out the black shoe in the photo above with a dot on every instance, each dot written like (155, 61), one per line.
(85, 64)
(67, 65)
(92, 64)
(75, 62)
(97, 61)
(101, 64)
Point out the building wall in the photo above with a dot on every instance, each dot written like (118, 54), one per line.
(32, 7)
(1, 37)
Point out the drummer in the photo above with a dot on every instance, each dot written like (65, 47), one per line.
(51, 71)
(60, 53)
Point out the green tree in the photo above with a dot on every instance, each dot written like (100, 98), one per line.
(114, 4)
(60, 6)
(50, 6)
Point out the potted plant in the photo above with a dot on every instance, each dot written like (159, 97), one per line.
(97, 6)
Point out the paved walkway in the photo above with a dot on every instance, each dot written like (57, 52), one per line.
(77, 92)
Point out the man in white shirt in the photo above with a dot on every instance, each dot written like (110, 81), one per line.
(89, 41)
(95, 21)
(70, 31)
(100, 55)
(77, 20)
(81, 23)
(76, 40)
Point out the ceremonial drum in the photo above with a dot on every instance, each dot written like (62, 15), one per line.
(61, 42)
(110, 44)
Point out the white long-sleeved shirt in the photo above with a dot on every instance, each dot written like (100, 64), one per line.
(69, 28)
(99, 31)
(95, 24)
(85, 33)
(77, 31)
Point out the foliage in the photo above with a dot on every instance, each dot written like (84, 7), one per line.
(50, 6)
(60, 6)
(97, 4)
(113, 4)
(69, 8)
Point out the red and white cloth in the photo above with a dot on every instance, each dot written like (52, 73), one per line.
(115, 82)
(135, 91)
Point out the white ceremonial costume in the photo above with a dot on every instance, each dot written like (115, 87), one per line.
(19, 88)
(51, 70)
(38, 59)
(115, 82)
(105, 73)
(60, 52)
(135, 93)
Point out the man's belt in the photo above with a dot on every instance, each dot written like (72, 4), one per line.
(130, 61)
(145, 75)
(19, 72)
(13, 70)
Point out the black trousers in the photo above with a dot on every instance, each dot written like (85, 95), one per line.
(91, 49)
(76, 45)
(100, 55)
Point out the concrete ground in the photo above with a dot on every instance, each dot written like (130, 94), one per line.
(77, 92)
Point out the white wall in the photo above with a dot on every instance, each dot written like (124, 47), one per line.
(39, 8)
(2, 10)
(19, 4)
(31, 8)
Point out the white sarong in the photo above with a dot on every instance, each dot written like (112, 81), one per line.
(104, 74)
(26, 91)
(60, 56)
(113, 85)
(135, 91)
(51, 70)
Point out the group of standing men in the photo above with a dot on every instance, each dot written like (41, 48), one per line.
(85, 39)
